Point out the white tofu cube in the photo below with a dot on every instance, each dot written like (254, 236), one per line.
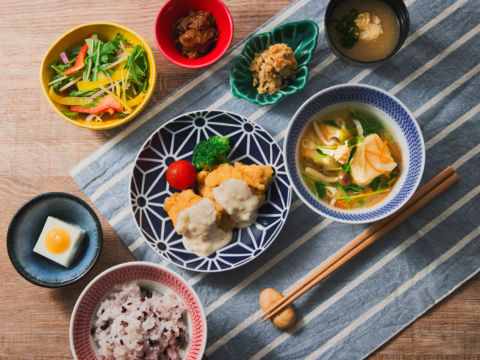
(59, 241)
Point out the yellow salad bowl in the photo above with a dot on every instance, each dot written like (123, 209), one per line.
(76, 36)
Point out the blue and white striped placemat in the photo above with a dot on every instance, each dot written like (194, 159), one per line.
(397, 279)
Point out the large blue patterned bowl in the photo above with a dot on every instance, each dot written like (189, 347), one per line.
(175, 140)
(394, 115)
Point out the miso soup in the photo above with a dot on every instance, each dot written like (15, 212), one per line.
(364, 30)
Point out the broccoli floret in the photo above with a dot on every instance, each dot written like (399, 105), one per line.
(210, 153)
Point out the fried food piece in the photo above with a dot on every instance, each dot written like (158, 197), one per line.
(258, 177)
(178, 202)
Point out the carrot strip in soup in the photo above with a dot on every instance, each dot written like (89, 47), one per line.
(341, 204)
(394, 150)
(380, 198)
(373, 166)
(382, 158)
(383, 146)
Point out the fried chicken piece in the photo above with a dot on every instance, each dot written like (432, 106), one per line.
(178, 202)
(258, 177)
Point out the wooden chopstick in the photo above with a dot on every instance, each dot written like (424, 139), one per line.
(357, 246)
(424, 195)
(429, 186)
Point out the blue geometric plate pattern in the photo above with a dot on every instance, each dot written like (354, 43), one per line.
(398, 113)
(175, 140)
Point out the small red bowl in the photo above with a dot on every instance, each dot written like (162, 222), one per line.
(153, 277)
(173, 10)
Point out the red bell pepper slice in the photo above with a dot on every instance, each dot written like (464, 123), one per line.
(79, 62)
(107, 103)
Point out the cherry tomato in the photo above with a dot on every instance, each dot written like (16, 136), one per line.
(181, 174)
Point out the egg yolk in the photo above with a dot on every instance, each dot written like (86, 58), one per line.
(57, 240)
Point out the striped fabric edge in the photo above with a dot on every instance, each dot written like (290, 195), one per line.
(229, 56)
(437, 301)
(315, 71)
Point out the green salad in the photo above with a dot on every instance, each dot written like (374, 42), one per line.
(100, 80)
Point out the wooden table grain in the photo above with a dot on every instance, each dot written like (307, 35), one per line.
(38, 148)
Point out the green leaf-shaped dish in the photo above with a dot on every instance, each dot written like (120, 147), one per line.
(301, 36)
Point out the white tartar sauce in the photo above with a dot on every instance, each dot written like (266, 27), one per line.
(201, 235)
(238, 200)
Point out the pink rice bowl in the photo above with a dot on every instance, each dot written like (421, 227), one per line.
(159, 279)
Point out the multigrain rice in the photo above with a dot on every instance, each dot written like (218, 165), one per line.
(134, 323)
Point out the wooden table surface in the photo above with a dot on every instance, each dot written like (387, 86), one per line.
(38, 148)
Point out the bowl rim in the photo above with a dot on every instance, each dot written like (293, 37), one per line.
(25, 274)
(415, 123)
(125, 265)
(289, 195)
(271, 101)
(203, 64)
(138, 109)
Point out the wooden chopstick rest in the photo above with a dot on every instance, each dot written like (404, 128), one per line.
(285, 319)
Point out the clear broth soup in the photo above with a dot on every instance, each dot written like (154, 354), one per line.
(348, 158)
